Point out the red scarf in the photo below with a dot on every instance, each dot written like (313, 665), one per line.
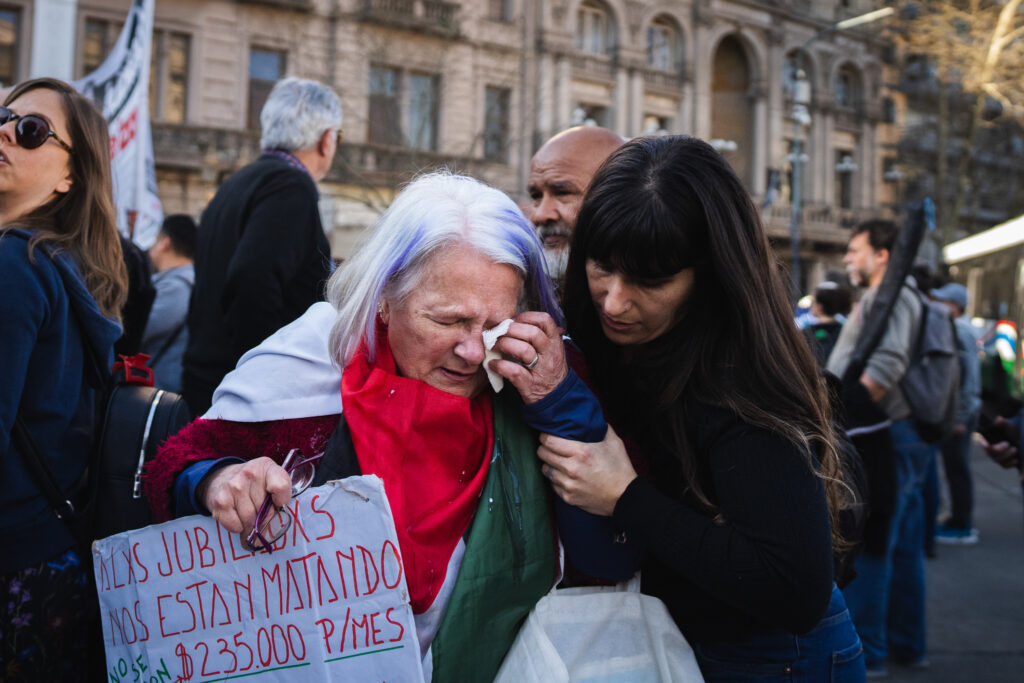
(430, 448)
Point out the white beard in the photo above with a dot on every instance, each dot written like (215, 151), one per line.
(557, 260)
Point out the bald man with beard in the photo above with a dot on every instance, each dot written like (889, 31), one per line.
(560, 172)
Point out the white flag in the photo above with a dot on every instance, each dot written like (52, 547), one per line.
(120, 88)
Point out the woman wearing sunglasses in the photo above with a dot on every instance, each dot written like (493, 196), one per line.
(449, 259)
(62, 283)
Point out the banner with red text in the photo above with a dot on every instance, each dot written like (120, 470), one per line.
(184, 601)
(120, 88)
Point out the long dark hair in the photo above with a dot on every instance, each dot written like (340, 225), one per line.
(662, 204)
(82, 221)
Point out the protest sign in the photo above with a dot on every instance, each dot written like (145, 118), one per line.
(120, 88)
(185, 601)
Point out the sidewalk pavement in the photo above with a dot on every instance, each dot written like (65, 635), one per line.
(976, 592)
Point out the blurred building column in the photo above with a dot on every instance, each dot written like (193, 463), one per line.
(53, 39)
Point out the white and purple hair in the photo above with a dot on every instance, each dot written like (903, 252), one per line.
(435, 211)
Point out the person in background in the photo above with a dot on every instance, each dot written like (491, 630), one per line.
(674, 299)
(830, 308)
(1002, 442)
(262, 256)
(887, 599)
(165, 337)
(139, 303)
(62, 286)
(956, 450)
(560, 172)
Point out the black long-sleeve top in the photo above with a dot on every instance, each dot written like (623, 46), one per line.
(766, 563)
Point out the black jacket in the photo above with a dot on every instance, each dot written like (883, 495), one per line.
(261, 260)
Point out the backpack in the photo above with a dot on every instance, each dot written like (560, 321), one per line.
(932, 379)
(136, 419)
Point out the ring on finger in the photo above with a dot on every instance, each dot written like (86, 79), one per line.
(533, 363)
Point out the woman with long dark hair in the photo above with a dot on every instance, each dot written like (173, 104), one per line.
(672, 296)
(62, 285)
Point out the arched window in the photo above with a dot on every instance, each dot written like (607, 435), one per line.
(594, 33)
(664, 45)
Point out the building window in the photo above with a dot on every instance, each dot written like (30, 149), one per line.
(10, 23)
(845, 168)
(391, 93)
(793, 64)
(496, 123)
(500, 10)
(847, 91)
(592, 29)
(384, 120)
(266, 67)
(662, 45)
(421, 130)
(99, 39)
(168, 76)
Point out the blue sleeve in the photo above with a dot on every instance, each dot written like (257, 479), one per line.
(571, 411)
(25, 306)
(593, 544)
(186, 483)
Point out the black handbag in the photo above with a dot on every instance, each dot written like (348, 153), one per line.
(136, 420)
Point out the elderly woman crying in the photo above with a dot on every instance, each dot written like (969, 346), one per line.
(388, 378)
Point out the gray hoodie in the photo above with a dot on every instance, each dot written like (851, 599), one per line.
(166, 334)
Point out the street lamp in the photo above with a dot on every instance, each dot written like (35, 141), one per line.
(802, 119)
(722, 146)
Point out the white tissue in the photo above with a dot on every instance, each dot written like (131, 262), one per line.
(490, 339)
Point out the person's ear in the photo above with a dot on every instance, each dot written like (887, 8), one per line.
(882, 255)
(384, 310)
(324, 145)
(64, 186)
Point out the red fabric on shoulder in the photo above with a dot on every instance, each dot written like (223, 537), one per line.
(430, 449)
(208, 439)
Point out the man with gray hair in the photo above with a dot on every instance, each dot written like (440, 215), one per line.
(261, 256)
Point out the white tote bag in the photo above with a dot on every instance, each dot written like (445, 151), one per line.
(605, 634)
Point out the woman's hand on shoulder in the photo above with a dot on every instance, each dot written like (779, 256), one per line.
(234, 494)
(533, 336)
(591, 476)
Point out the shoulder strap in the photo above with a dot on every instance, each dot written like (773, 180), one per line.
(167, 344)
(34, 463)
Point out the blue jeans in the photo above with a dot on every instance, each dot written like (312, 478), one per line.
(829, 652)
(887, 598)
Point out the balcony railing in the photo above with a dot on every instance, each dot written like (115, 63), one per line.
(298, 5)
(663, 80)
(849, 118)
(432, 16)
(600, 67)
(819, 222)
(214, 153)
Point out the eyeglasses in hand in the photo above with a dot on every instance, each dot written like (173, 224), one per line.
(273, 522)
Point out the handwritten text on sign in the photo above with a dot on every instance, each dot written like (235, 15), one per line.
(184, 601)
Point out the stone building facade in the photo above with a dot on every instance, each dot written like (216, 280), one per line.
(478, 85)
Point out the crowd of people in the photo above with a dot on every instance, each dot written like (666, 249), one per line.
(665, 414)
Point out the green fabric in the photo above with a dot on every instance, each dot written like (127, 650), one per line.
(510, 560)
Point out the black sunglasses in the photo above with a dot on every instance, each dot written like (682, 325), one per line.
(31, 131)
